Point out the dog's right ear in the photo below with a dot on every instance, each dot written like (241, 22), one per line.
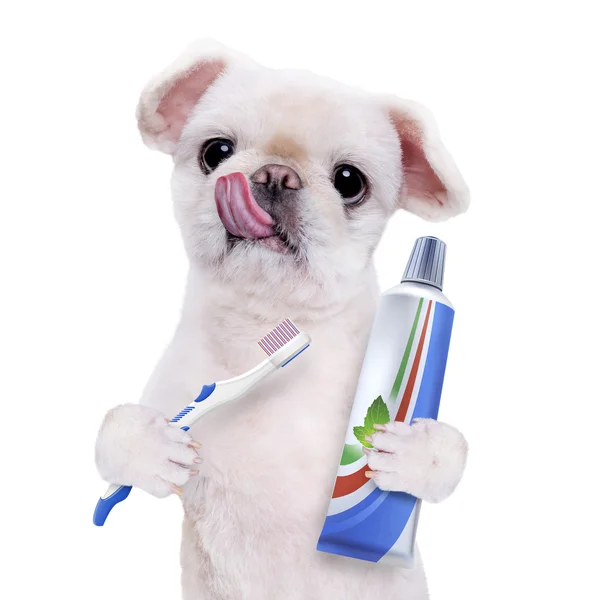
(169, 98)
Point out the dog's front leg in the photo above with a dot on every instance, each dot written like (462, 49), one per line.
(425, 459)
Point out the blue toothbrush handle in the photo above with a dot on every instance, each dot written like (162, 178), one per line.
(118, 493)
(114, 495)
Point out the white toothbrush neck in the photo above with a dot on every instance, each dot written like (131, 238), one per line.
(233, 388)
(224, 392)
(237, 386)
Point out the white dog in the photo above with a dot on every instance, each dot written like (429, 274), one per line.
(273, 228)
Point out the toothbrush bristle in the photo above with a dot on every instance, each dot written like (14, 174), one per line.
(282, 334)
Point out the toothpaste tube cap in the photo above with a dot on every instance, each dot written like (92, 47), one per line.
(426, 262)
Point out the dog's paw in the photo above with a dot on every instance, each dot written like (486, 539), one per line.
(425, 459)
(136, 446)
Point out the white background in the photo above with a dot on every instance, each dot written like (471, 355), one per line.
(93, 271)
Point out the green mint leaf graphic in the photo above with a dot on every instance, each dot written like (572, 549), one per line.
(351, 453)
(360, 433)
(377, 414)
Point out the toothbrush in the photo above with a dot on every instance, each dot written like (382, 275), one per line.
(284, 343)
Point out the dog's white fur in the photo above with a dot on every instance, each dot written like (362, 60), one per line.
(267, 462)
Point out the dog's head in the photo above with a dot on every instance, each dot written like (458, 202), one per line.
(282, 176)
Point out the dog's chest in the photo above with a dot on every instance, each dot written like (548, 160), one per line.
(285, 438)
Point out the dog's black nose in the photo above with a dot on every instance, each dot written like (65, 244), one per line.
(277, 176)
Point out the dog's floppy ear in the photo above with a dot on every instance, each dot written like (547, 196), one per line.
(168, 99)
(432, 187)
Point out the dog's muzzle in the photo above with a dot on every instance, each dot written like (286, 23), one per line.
(239, 212)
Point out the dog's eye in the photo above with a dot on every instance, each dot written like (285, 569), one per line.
(350, 184)
(214, 152)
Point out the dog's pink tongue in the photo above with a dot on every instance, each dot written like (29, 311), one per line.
(240, 213)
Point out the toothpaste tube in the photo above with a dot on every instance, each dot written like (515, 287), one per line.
(401, 380)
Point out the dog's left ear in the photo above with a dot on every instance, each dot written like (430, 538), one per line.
(432, 187)
(168, 99)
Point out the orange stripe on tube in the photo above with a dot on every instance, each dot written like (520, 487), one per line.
(347, 484)
(410, 386)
